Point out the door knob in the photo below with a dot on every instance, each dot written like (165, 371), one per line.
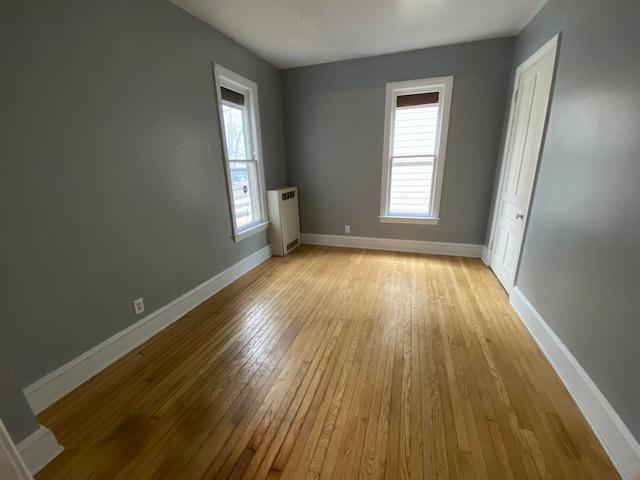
(519, 216)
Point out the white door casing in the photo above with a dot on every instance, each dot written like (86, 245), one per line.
(527, 123)
(11, 465)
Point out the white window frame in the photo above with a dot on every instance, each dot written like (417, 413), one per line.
(444, 86)
(231, 80)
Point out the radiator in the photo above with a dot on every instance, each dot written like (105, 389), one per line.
(284, 231)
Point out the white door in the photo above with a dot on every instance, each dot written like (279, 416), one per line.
(526, 128)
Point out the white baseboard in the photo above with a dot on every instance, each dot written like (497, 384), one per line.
(55, 385)
(392, 244)
(38, 449)
(617, 440)
(486, 255)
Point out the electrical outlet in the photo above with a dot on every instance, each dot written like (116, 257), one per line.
(347, 229)
(138, 306)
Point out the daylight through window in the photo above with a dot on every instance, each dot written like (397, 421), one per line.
(238, 104)
(415, 136)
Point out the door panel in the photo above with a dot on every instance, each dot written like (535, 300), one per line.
(523, 150)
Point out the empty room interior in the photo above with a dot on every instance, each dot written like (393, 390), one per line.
(319, 240)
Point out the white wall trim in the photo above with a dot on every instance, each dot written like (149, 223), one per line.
(411, 246)
(410, 220)
(38, 449)
(55, 385)
(486, 255)
(11, 464)
(617, 440)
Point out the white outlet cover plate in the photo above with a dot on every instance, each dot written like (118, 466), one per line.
(138, 306)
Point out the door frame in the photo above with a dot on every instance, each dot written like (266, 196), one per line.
(551, 46)
(10, 455)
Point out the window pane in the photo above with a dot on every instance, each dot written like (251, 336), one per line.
(415, 130)
(234, 129)
(411, 180)
(246, 197)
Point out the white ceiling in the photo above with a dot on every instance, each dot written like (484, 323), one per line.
(291, 33)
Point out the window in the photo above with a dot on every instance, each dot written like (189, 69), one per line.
(238, 103)
(416, 123)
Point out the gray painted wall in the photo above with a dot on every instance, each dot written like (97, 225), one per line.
(111, 181)
(334, 124)
(580, 262)
(14, 409)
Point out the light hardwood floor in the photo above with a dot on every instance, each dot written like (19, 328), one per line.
(333, 363)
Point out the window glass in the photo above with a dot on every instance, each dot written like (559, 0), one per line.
(412, 162)
(234, 129)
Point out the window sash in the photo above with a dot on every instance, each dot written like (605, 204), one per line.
(415, 129)
(247, 135)
(411, 185)
(246, 204)
(402, 200)
(413, 197)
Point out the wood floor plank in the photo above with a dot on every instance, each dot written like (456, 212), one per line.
(333, 363)
(231, 415)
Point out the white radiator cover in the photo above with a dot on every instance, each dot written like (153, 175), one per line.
(284, 231)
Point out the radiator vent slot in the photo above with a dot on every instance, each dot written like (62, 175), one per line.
(290, 245)
(288, 195)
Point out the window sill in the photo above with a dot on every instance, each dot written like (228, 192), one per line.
(251, 231)
(411, 220)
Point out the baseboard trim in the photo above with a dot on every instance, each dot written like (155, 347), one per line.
(38, 449)
(486, 255)
(395, 245)
(53, 386)
(617, 440)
